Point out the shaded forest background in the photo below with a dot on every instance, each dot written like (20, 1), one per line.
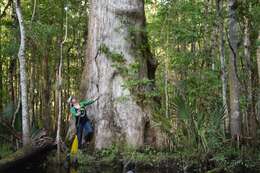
(196, 79)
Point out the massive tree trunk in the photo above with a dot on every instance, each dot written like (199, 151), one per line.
(251, 117)
(235, 121)
(23, 76)
(116, 29)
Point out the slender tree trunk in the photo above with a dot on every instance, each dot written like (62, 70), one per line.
(11, 81)
(235, 121)
(31, 93)
(208, 33)
(118, 26)
(23, 76)
(1, 70)
(258, 59)
(166, 88)
(219, 5)
(166, 74)
(46, 92)
(258, 71)
(58, 135)
(12, 67)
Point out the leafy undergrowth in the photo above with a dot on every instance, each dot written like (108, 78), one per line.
(5, 150)
(142, 158)
(225, 159)
(243, 159)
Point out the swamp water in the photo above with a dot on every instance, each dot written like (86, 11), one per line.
(55, 169)
(38, 165)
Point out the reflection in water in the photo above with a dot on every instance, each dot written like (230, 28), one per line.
(86, 169)
(35, 168)
(37, 165)
(73, 170)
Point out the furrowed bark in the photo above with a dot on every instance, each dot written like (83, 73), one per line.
(251, 117)
(119, 25)
(235, 121)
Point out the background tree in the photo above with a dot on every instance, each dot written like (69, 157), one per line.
(235, 121)
(23, 76)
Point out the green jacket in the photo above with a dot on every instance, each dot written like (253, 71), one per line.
(82, 104)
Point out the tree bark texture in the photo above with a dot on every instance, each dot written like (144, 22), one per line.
(251, 117)
(235, 121)
(23, 76)
(258, 59)
(119, 25)
(219, 6)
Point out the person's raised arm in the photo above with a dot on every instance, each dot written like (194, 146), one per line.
(88, 101)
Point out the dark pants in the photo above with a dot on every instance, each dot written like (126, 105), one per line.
(84, 129)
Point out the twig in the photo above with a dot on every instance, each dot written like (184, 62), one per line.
(10, 128)
(34, 9)
(16, 111)
(6, 7)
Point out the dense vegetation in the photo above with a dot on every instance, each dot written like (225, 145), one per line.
(206, 95)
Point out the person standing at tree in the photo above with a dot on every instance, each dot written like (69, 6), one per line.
(78, 112)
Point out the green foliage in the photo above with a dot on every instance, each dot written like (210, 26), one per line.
(108, 156)
(44, 33)
(114, 56)
(5, 150)
(111, 152)
(233, 159)
(194, 129)
(84, 159)
(148, 156)
(130, 72)
(8, 111)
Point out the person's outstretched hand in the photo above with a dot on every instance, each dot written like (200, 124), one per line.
(96, 98)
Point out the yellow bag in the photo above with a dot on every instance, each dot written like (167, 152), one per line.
(75, 145)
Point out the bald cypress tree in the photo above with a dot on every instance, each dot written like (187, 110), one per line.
(116, 42)
(235, 117)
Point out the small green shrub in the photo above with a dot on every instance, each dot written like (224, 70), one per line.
(5, 150)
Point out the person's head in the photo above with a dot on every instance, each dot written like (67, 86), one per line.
(72, 100)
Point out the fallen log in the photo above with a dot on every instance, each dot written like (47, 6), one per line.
(24, 156)
(41, 145)
(10, 129)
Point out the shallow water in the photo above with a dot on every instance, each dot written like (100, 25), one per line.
(38, 165)
(109, 170)
(52, 169)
